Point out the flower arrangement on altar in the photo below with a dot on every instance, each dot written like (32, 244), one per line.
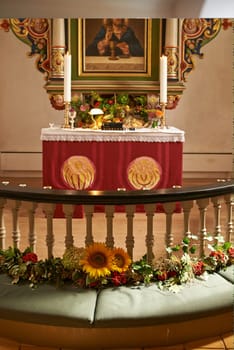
(131, 111)
(98, 266)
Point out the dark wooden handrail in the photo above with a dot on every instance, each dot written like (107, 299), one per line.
(121, 197)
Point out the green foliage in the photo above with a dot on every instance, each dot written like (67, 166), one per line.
(168, 273)
(122, 99)
(143, 270)
(141, 100)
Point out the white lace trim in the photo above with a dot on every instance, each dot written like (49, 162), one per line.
(169, 134)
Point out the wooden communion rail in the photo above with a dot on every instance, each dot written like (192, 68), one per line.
(123, 316)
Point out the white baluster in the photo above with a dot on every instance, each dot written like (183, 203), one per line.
(109, 210)
(31, 208)
(15, 205)
(217, 212)
(89, 210)
(130, 210)
(202, 204)
(68, 210)
(187, 206)
(49, 213)
(2, 224)
(149, 239)
(169, 210)
(229, 200)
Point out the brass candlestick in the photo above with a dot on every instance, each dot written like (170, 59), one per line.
(163, 120)
(66, 124)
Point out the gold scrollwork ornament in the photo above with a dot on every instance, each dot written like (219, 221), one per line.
(172, 59)
(57, 62)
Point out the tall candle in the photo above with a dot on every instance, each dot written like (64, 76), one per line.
(163, 79)
(67, 77)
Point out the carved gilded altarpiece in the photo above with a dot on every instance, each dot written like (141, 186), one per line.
(181, 40)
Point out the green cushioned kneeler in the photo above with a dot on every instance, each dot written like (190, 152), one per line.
(114, 307)
(228, 273)
(67, 306)
(126, 307)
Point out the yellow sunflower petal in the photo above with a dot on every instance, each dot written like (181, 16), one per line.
(121, 260)
(97, 261)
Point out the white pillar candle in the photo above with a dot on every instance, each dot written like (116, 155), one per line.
(171, 32)
(67, 77)
(163, 79)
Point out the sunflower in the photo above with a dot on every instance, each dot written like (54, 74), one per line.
(121, 260)
(97, 261)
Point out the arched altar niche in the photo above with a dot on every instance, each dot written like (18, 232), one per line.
(179, 39)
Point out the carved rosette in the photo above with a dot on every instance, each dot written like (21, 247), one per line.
(172, 101)
(57, 101)
(5, 24)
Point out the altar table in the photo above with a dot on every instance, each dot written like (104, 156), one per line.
(86, 159)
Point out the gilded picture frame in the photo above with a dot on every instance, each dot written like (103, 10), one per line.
(114, 47)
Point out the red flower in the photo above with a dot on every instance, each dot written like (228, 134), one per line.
(198, 268)
(97, 104)
(231, 253)
(171, 273)
(84, 108)
(30, 257)
(162, 275)
(218, 255)
(93, 284)
(80, 282)
(118, 278)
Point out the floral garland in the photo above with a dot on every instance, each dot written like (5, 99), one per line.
(98, 266)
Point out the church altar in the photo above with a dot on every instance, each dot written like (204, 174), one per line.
(169, 134)
(86, 159)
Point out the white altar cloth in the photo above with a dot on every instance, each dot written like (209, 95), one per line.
(169, 134)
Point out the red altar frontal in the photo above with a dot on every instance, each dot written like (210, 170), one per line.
(84, 159)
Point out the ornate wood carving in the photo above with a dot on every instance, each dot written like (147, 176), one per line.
(193, 34)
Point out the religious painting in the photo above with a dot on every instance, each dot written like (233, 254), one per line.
(114, 47)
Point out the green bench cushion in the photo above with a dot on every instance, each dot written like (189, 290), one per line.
(144, 306)
(114, 307)
(67, 306)
(228, 273)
